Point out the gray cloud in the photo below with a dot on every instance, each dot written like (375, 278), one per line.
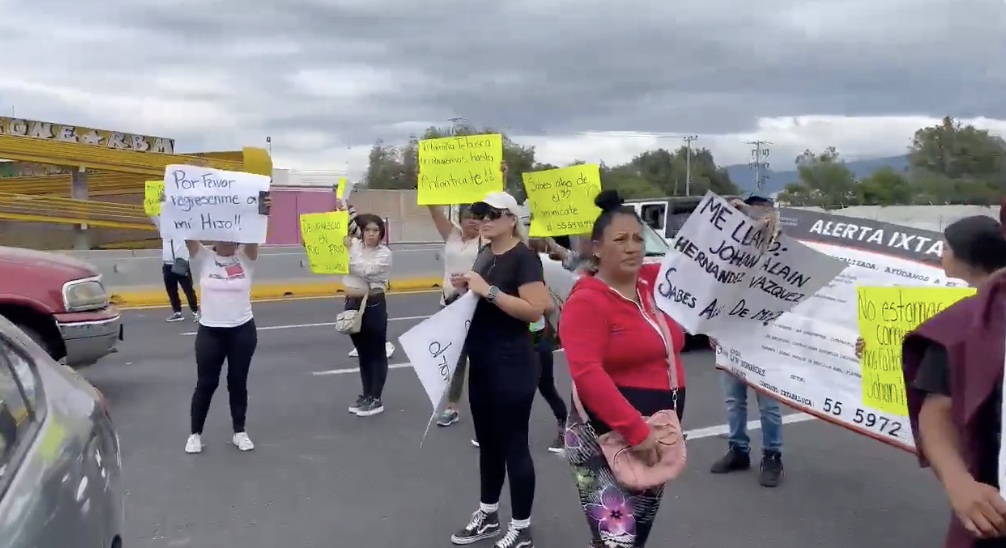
(550, 66)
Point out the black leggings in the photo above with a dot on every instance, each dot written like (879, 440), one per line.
(546, 386)
(171, 283)
(214, 345)
(501, 426)
(370, 343)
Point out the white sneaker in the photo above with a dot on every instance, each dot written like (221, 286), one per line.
(389, 349)
(194, 445)
(243, 442)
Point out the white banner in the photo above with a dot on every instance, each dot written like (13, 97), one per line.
(806, 358)
(718, 281)
(202, 203)
(434, 346)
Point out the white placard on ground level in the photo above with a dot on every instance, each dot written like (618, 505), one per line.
(213, 205)
(435, 344)
(806, 358)
(726, 275)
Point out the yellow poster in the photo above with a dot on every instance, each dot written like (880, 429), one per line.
(323, 235)
(341, 191)
(562, 200)
(152, 191)
(886, 315)
(459, 170)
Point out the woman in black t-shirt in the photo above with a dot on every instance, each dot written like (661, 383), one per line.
(503, 373)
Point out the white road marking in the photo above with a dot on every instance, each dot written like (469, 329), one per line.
(322, 324)
(693, 434)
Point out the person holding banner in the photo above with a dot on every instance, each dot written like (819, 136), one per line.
(738, 455)
(508, 278)
(546, 341)
(623, 356)
(354, 230)
(953, 372)
(226, 333)
(461, 248)
(366, 284)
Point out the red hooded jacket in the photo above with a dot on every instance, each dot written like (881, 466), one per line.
(613, 347)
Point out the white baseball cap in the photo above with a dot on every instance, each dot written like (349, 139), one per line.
(504, 202)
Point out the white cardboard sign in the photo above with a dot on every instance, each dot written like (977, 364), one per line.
(434, 346)
(208, 204)
(723, 276)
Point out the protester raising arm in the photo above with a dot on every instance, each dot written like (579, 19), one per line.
(444, 225)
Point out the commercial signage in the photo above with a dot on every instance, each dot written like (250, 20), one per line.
(33, 129)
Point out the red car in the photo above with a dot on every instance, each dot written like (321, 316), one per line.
(59, 302)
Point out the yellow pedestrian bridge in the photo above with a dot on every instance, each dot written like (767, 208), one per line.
(108, 165)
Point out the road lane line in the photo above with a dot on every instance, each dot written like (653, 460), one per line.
(290, 299)
(321, 324)
(693, 434)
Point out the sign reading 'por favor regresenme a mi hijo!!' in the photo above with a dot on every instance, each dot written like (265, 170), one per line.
(210, 204)
(727, 275)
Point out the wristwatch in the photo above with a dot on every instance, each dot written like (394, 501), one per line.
(493, 292)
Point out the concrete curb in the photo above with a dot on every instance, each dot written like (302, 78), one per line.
(273, 291)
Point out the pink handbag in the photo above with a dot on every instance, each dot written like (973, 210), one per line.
(630, 471)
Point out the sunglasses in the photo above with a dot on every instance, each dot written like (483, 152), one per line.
(490, 214)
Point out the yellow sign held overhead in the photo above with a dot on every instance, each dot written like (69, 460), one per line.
(562, 200)
(341, 191)
(152, 191)
(459, 170)
(323, 235)
(886, 315)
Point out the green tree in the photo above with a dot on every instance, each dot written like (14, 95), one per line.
(825, 181)
(884, 187)
(958, 151)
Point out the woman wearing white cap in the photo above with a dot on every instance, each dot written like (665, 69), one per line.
(503, 376)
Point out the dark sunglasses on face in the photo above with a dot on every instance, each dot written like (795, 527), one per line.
(491, 214)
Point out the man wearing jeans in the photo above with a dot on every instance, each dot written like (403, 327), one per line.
(735, 393)
(738, 455)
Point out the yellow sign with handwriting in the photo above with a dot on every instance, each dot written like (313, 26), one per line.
(152, 192)
(459, 170)
(886, 315)
(323, 235)
(562, 200)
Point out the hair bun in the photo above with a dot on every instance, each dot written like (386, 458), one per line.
(608, 200)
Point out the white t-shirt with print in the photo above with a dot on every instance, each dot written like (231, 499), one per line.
(225, 287)
(459, 257)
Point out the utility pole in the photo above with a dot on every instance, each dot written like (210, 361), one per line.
(688, 163)
(759, 162)
(456, 123)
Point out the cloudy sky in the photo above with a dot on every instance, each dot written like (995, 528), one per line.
(579, 79)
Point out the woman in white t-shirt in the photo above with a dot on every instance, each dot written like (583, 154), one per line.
(226, 333)
(461, 248)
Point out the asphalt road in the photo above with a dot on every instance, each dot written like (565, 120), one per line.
(321, 477)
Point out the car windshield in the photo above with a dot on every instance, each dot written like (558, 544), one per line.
(655, 245)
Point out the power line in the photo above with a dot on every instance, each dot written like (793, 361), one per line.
(759, 162)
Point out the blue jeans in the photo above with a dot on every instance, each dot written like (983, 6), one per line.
(736, 394)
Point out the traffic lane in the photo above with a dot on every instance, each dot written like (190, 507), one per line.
(320, 473)
(147, 335)
(297, 336)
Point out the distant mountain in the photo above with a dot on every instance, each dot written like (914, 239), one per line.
(743, 176)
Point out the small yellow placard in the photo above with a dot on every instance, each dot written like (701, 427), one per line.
(562, 200)
(459, 170)
(886, 315)
(152, 191)
(323, 235)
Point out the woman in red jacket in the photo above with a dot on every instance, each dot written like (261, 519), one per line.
(618, 358)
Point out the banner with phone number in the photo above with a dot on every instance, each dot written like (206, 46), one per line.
(806, 359)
